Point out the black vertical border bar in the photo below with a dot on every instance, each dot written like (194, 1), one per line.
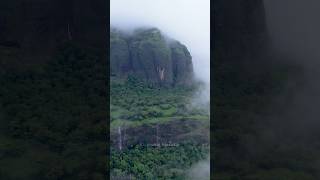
(108, 89)
(212, 45)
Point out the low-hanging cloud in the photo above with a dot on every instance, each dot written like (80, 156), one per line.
(185, 20)
(294, 30)
(200, 171)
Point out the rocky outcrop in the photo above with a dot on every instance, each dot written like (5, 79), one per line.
(150, 56)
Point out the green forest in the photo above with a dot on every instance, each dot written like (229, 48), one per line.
(134, 102)
(138, 105)
(142, 162)
(53, 117)
(155, 130)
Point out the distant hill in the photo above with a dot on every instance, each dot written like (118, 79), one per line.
(150, 56)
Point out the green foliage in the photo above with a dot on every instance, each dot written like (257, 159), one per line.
(143, 162)
(53, 120)
(136, 101)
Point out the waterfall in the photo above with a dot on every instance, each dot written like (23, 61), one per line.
(120, 138)
(157, 135)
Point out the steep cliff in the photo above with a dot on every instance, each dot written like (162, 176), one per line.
(150, 56)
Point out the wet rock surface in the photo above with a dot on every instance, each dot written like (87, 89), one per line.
(164, 134)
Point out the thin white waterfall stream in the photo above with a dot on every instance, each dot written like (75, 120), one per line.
(120, 138)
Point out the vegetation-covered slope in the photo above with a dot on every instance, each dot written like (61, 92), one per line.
(53, 119)
(155, 133)
(53, 103)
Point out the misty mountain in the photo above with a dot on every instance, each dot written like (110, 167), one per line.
(150, 56)
(256, 130)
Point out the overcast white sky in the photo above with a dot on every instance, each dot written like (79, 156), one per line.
(185, 20)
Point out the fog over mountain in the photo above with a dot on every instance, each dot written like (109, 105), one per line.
(187, 21)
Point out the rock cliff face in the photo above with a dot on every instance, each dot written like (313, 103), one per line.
(149, 56)
(165, 133)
